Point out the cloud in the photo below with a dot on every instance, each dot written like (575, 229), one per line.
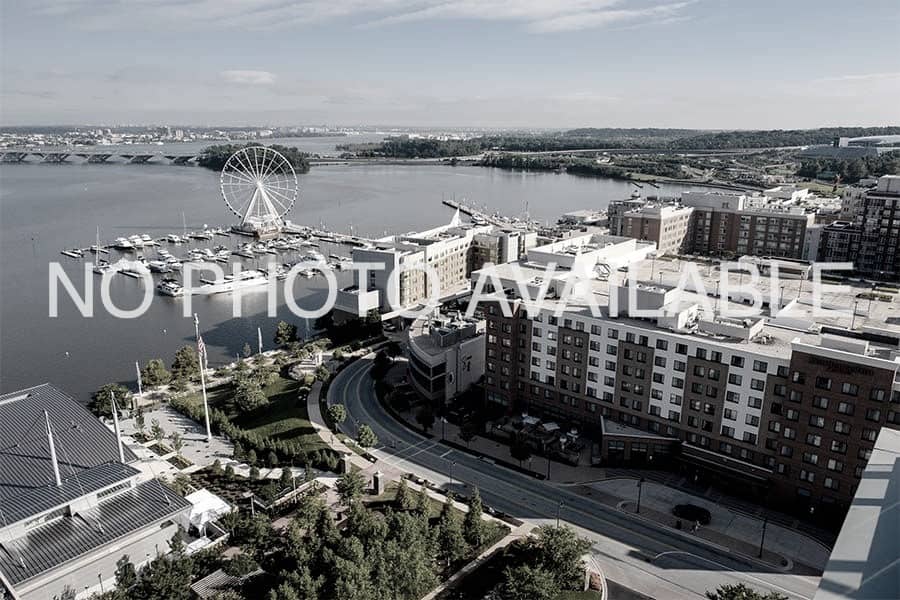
(540, 16)
(248, 77)
(860, 77)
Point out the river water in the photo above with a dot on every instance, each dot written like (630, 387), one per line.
(47, 208)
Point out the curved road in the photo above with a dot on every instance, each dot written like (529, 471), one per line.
(681, 566)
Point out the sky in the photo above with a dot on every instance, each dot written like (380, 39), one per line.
(707, 64)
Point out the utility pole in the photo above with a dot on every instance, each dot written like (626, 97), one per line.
(558, 508)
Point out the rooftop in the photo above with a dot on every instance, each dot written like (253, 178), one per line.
(82, 441)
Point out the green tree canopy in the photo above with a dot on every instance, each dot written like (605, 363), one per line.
(285, 333)
(366, 436)
(742, 592)
(337, 414)
(350, 487)
(154, 373)
(101, 400)
(186, 365)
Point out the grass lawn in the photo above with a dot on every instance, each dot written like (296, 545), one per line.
(284, 418)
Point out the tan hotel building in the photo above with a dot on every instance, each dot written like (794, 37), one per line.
(786, 404)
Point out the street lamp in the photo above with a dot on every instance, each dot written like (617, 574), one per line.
(558, 508)
(451, 472)
(762, 540)
(640, 486)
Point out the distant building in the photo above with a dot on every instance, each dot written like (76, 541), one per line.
(665, 225)
(451, 251)
(868, 234)
(70, 506)
(446, 354)
(719, 223)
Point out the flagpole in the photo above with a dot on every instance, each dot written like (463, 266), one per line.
(137, 367)
(259, 337)
(200, 361)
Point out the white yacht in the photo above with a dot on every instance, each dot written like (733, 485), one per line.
(73, 253)
(170, 287)
(173, 239)
(159, 266)
(229, 283)
(136, 241)
(123, 244)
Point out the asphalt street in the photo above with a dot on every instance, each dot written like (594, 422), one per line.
(637, 554)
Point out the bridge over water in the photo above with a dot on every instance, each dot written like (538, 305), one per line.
(93, 157)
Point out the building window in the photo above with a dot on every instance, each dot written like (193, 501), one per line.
(760, 366)
(823, 383)
(820, 402)
(737, 361)
(851, 389)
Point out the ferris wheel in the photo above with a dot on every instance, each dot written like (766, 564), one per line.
(260, 186)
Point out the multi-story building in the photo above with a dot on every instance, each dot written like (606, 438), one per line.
(399, 279)
(717, 223)
(446, 354)
(726, 224)
(71, 504)
(786, 403)
(877, 217)
(664, 224)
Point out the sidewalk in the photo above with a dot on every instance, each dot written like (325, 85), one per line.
(737, 530)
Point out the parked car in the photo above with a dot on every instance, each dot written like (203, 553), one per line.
(692, 513)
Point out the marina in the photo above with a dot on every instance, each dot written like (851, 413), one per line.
(48, 209)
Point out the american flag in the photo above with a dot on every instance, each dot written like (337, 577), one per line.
(201, 350)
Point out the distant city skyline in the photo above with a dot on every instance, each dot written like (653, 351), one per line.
(704, 64)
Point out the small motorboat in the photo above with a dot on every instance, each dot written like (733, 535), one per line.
(73, 253)
(170, 287)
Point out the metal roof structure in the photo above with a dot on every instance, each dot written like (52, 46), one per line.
(82, 442)
(60, 541)
(38, 500)
(865, 561)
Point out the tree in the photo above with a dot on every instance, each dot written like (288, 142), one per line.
(423, 502)
(520, 451)
(559, 551)
(337, 414)
(177, 442)
(140, 422)
(126, 575)
(154, 373)
(101, 400)
(403, 500)
(350, 487)
(247, 351)
(266, 375)
(366, 437)
(249, 396)
(287, 479)
(229, 472)
(156, 430)
(272, 458)
(285, 333)
(254, 473)
(322, 373)
(450, 538)
(425, 418)
(473, 525)
(186, 365)
(238, 452)
(742, 592)
(216, 467)
(251, 457)
(467, 432)
(526, 581)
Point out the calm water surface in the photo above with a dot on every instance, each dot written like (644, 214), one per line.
(47, 208)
